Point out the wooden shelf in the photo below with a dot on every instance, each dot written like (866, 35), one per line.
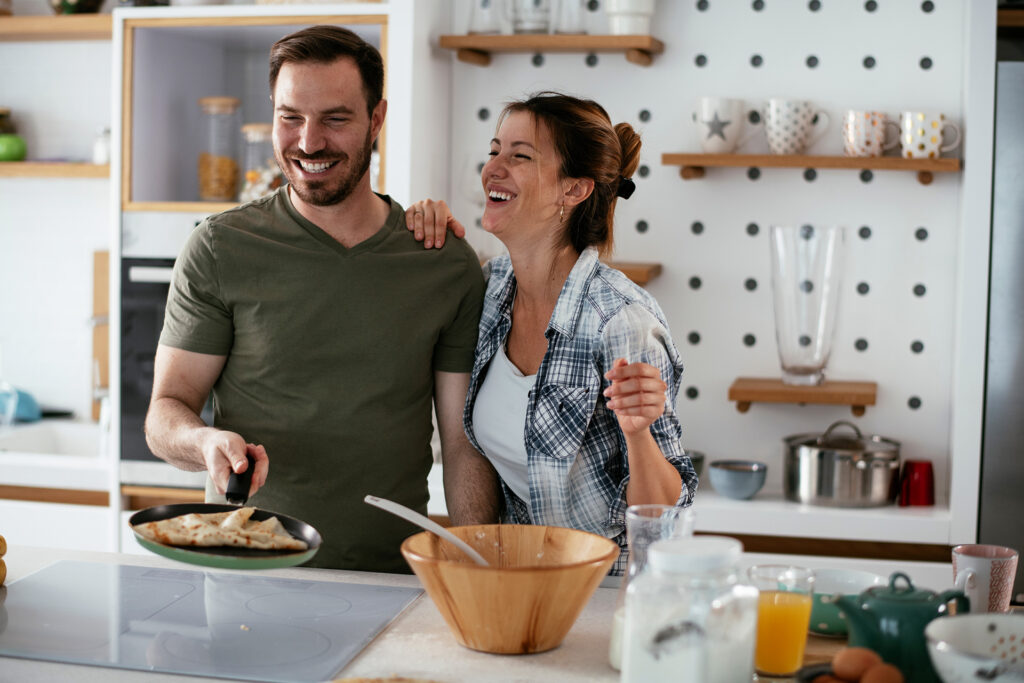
(1010, 18)
(183, 207)
(59, 27)
(857, 395)
(640, 273)
(693, 165)
(477, 48)
(53, 169)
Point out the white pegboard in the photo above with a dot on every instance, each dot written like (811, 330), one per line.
(841, 34)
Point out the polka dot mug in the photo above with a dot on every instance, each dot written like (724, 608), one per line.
(793, 125)
(922, 133)
(864, 133)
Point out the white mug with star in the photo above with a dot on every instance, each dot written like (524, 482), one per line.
(922, 134)
(793, 125)
(720, 122)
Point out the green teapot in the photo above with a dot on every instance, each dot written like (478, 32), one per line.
(890, 620)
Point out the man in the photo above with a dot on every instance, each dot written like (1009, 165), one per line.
(323, 328)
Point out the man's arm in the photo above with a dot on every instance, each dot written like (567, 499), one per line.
(182, 381)
(471, 489)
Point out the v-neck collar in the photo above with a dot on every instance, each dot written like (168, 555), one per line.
(321, 235)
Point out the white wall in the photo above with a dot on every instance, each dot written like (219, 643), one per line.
(49, 227)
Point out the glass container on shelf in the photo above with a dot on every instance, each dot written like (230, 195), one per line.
(262, 174)
(12, 146)
(218, 157)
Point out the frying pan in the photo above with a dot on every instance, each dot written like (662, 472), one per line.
(229, 557)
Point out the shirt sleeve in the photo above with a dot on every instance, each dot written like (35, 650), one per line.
(457, 343)
(197, 318)
(641, 336)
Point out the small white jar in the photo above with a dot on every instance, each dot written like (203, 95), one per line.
(688, 617)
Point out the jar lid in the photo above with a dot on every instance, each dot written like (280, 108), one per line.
(696, 554)
(219, 104)
(258, 129)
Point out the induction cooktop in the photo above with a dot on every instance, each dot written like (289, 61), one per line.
(214, 624)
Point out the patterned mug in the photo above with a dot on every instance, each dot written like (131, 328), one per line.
(789, 125)
(922, 133)
(864, 133)
(986, 574)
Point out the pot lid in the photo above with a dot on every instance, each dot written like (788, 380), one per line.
(855, 443)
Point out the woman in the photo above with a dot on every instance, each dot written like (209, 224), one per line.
(574, 382)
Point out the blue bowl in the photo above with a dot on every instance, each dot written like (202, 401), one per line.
(739, 479)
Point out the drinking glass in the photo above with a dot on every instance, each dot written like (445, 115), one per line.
(483, 17)
(783, 615)
(569, 16)
(807, 264)
(529, 16)
(645, 524)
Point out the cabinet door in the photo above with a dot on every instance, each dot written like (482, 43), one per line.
(56, 525)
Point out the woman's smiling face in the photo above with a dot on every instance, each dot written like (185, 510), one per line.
(522, 180)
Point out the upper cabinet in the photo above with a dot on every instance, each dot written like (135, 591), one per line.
(173, 57)
(170, 65)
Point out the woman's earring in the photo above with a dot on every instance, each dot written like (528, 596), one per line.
(561, 213)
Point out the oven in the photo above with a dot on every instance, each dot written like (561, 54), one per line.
(144, 286)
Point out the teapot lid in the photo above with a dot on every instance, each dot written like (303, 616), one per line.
(903, 594)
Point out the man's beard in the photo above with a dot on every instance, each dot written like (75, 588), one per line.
(317, 193)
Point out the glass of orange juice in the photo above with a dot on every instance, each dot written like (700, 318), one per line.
(783, 615)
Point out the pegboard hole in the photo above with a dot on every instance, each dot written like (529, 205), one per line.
(926, 63)
(869, 62)
(483, 113)
(871, 5)
(692, 393)
(919, 290)
(921, 234)
(645, 115)
(914, 402)
(866, 176)
(641, 226)
(696, 227)
(702, 5)
(756, 61)
(917, 346)
(753, 173)
(591, 60)
(693, 338)
(695, 282)
(864, 232)
(861, 344)
(753, 229)
(750, 284)
(863, 288)
(812, 61)
(700, 60)
(749, 339)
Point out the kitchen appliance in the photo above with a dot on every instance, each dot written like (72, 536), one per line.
(841, 470)
(219, 624)
(144, 286)
(1001, 503)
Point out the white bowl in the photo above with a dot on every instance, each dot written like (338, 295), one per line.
(977, 647)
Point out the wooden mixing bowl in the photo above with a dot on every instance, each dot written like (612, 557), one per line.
(527, 600)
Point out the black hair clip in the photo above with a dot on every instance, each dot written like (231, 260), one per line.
(626, 187)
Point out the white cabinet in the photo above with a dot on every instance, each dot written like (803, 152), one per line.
(56, 525)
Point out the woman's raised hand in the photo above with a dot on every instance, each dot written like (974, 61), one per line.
(636, 396)
(430, 221)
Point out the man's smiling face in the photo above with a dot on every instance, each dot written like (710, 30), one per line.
(323, 134)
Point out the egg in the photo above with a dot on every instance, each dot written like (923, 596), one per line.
(850, 663)
(882, 673)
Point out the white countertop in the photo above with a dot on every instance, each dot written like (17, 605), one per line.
(418, 643)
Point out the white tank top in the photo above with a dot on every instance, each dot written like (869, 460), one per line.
(499, 421)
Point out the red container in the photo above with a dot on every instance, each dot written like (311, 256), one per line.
(917, 483)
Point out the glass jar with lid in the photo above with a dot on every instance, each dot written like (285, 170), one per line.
(688, 616)
(261, 174)
(218, 156)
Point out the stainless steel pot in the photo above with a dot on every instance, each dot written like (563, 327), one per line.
(841, 470)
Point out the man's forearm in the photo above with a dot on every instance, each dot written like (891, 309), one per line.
(471, 489)
(172, 430)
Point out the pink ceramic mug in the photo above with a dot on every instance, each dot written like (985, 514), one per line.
(985, 573)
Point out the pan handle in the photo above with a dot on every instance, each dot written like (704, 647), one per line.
(237, 492)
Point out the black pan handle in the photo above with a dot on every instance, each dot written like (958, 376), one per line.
(237, 492)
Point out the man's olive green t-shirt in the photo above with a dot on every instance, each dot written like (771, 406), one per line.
(330, 359)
